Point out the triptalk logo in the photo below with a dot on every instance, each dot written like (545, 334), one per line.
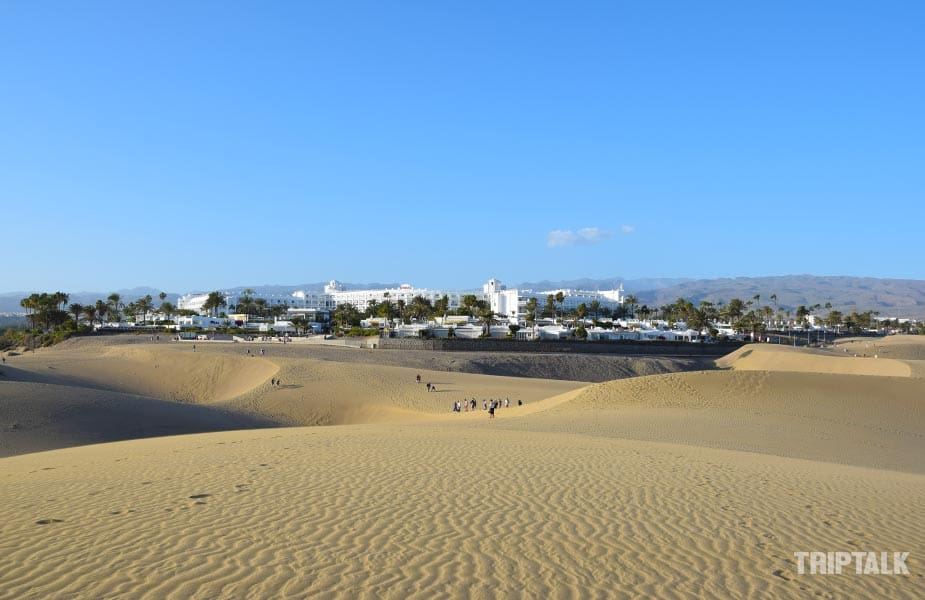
(862, 563)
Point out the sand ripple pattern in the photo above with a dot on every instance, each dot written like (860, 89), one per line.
(440, 511)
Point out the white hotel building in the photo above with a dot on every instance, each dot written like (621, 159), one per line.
(360, 299)
(511, 304)
(296, 300)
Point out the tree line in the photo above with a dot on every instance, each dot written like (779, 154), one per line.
(51, 311)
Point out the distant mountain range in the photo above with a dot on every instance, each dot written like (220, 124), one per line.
(896, 298)
(904, 298)
(604, 284)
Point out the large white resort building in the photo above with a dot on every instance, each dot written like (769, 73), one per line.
(361, 299)
(511, 304)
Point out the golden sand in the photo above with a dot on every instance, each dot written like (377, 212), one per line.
(682, 486)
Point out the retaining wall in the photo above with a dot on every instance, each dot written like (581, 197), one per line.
(655, 348)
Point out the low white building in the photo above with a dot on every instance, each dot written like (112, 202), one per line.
(201, 322)
(599, 334)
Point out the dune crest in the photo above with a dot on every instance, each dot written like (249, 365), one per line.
(772, 357)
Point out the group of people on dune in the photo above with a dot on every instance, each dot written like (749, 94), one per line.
(490, 405)
(470, 405)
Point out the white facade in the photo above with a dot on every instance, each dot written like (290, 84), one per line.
(513, 303)
(505, 303)
(201, 322)
(300, 299)
(360, 299)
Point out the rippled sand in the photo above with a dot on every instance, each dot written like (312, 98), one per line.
(683, 485)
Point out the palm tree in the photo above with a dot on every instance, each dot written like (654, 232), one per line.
(260, 307)
(60, 299)
(76, 310)
(582, 311)
(166, 309)
(549, 309)
(130, 311)
(300, 323)
(114, 303)
(213, 302)
(560, 298)
(531, 310)
(102, 311)
(31, 305)
(698, 320)
(145, 305)
(632, 301)
(421, 307)
(90, 313)
(486, 317)
(278, 310)
(595, 307)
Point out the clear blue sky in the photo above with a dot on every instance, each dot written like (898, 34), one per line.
(196, 145)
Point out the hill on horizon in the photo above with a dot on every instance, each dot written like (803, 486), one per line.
(894, 298)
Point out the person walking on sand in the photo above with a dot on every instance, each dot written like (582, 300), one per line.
(507, 403)
(418, 378)
(491, 410)
(428, 386)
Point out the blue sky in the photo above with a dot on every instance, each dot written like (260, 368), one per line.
(204, 145)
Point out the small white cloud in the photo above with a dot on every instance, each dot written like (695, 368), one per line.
(565, 237)
(627, 228)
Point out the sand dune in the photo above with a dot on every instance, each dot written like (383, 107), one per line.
(773, 357)
(682, 485)
(43, 416)
(875, 422)
(902, 347)
(93, 391)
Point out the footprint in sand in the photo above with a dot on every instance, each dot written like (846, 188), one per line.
(780, 573)
(49, 521)
(197, 496)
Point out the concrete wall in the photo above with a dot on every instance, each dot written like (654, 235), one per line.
(571, 347)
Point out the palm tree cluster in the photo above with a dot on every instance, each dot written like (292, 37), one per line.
(252, 308)
(418, 309)
(51, 311)
(751, 316)
(46, 309)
